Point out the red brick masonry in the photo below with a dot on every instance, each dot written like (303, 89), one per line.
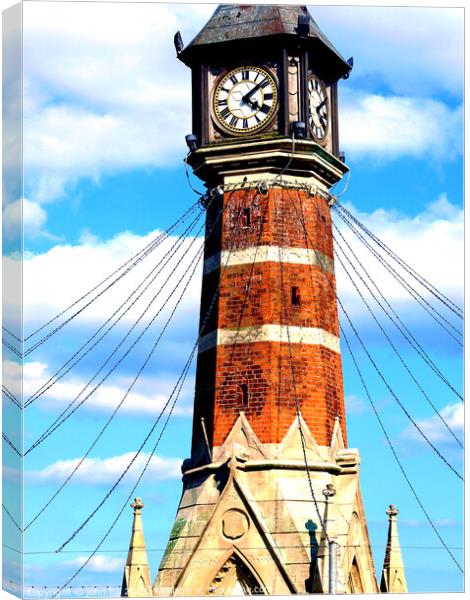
(257, 377)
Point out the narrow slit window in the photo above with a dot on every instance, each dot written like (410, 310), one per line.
(246, 218)
(244, 394)
(295, 296)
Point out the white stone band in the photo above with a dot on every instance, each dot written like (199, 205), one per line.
(259, 254)
(270, 333)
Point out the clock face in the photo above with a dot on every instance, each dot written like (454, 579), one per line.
(318, 105)
(245, 100)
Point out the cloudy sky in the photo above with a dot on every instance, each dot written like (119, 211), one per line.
(106, 109)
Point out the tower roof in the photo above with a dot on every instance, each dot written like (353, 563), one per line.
(244, 22)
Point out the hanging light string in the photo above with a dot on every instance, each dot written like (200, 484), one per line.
(417, 276)
(434, 314)
(11, 397)
(126, 268)
(385, 382)
(387, 337)
(194, 262)
(285, 314)
(11, 444)
(148, 279)
(61, 418)
(397, 321)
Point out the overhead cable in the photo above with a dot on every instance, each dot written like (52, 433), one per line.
(61, 418)
(404, 330)
(424, 282)
(387, 337)
(127, 266)
(378, 371)
(418, 297)
(163, 263)
(395, 455)
(186, 368)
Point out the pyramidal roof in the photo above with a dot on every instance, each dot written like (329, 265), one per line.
(236, 22)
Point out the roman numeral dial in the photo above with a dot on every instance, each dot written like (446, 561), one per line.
(318, 108)
(245, 100)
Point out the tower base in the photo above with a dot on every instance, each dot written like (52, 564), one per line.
(247, 523)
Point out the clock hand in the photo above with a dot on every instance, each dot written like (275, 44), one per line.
(321, 105)
(253, 103)
(247, 96)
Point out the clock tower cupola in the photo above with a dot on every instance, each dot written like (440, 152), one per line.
(263, 72)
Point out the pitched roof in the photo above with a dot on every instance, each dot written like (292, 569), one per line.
(236, 22)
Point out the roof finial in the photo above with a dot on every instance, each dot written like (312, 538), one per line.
(137, 505)
(136, 581)
(393, 573)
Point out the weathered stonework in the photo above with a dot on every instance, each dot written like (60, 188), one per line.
(247, 519)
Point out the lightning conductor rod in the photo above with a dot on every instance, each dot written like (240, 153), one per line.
(206, 439)
(332, 571)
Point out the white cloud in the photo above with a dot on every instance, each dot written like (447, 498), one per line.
(101, 471)
(354, 405)
(410, 50)
(387, 127)
(453, 415)
(100, 563)
(27, 216)
(149, 400)
(103, 90)
(56, 278)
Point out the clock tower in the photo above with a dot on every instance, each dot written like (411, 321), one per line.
(271, 500)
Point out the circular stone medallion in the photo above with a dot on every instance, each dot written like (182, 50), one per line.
(235, 524)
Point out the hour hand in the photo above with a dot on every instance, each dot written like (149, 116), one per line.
(247, 96)
(251, 103)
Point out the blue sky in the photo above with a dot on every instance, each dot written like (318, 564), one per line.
(106, 108)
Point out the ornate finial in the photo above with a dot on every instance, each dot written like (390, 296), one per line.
(392, 511)
(137, 505)
(329, 491)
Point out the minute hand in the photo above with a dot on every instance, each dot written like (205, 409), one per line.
(253, 90)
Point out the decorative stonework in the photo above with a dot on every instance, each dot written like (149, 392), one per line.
(136, 580)
(235, 524)
(256, 523)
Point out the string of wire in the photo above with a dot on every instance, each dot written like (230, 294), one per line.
(11, 444)
(184, 550)
(163, 262)
(439, 319)
(296, 399)
(194, 262)
(11, 397)
(398, 322)
(426, 283)
(61, 418)
(130, 264)
(322, 263)
(387, 337)
(397, 459)
(385, 382)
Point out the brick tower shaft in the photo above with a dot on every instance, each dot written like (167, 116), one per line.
(272, 335)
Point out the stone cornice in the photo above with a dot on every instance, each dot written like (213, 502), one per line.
(266, 155)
